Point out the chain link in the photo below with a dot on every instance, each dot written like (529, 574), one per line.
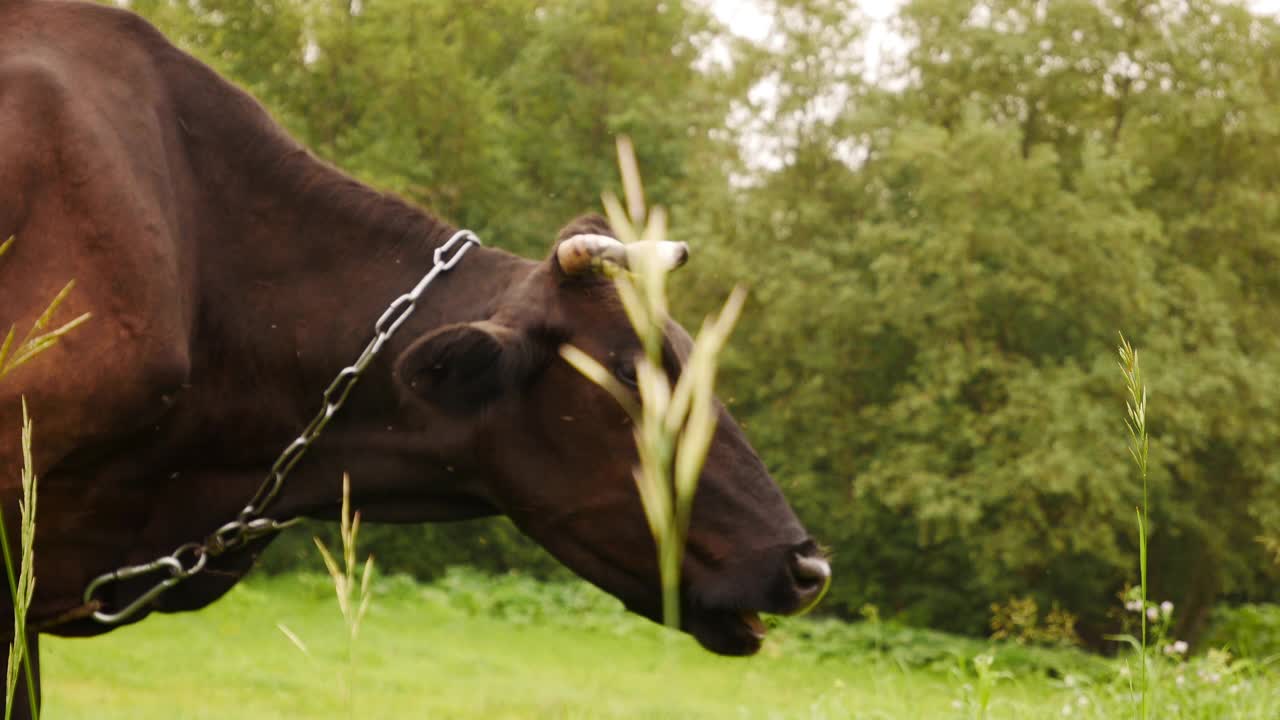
(250, 524)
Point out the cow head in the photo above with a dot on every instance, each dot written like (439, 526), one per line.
(555, 453)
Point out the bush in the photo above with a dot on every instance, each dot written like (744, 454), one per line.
(520, 599)
(1250, 631)
(424, 552)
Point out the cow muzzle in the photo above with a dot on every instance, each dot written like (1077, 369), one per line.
(724, 613)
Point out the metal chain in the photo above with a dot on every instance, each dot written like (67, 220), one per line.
(250, 524)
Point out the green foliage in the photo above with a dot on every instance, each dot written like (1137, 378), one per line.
(519, 599)
(425, 552)
(1247, 631)
(940, 269)
(1019, 620)
(522, 600)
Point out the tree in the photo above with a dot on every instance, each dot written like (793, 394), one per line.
(932, 358)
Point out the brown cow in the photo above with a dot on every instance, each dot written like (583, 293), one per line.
(231, 274)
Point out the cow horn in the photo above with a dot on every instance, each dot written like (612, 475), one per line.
(583, 253)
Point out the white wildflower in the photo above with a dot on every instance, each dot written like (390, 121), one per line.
(1153, 614)
(1166, 608)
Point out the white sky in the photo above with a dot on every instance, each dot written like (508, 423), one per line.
(746, 18)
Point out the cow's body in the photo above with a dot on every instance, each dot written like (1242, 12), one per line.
(138, 172)
(230, 275)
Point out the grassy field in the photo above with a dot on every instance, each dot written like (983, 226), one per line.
(473, 647)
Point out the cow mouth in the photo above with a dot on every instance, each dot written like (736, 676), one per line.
(726, 632)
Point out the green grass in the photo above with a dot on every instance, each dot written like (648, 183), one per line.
(474, 647)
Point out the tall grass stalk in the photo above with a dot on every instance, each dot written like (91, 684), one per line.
(1136, 422)
(353, 598)
(22, 581)
(673, 425)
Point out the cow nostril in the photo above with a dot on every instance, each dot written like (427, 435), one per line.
(811, 573)
(810, 576)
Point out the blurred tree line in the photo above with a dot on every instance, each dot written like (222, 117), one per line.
(939, 260)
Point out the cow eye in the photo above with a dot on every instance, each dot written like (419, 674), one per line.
(626, 372)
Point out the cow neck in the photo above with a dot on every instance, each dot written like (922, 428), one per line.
(358, 259)
(318, 258)
(314, 258)
(314, 255)
(338, 255)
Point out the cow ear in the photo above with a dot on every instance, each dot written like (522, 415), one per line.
(463, 368)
